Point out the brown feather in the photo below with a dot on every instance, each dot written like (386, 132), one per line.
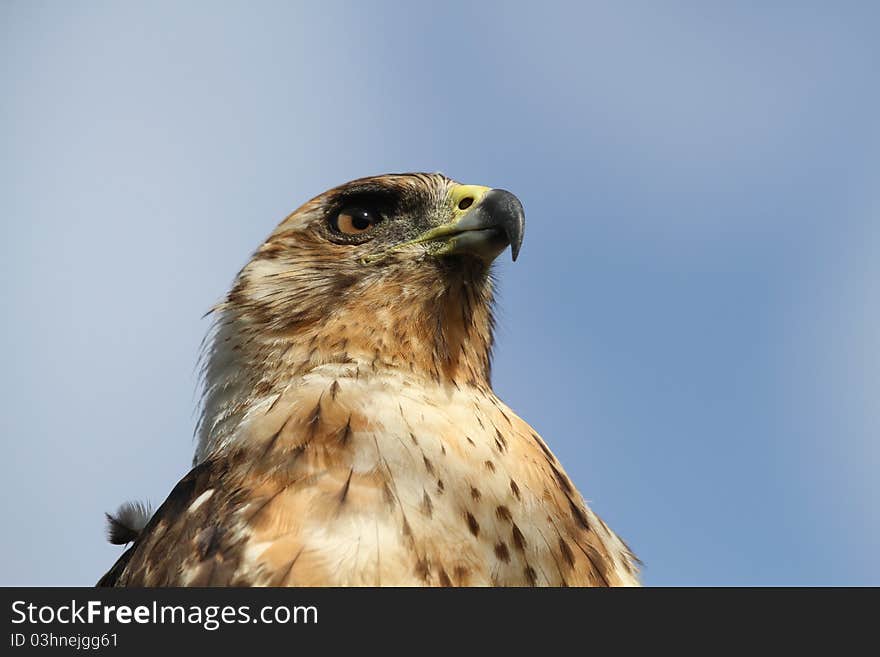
(350, 434)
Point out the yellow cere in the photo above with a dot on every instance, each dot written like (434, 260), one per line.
(462, 198)
(460, 194)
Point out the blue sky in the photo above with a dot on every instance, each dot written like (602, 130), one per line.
(693, 323)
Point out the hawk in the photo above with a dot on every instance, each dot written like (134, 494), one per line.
(350, 435)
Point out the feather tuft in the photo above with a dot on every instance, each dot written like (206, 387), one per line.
(128, 522)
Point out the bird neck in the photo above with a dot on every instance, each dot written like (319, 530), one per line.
(445, 339)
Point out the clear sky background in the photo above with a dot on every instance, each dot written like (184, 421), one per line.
(693, 323)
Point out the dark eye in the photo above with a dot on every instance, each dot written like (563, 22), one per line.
(355, 221)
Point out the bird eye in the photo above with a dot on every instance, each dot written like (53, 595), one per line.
(355, 221)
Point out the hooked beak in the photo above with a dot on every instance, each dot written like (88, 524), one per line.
(484, 222)
(493, 221)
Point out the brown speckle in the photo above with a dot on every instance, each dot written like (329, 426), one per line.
(503, 513)
(489, 466)
(500, 441)
(475, 494)
(472, 523)
(444, 578)
(597, 573)
(502, 552)
(514, 489)
(547, 453)
(562, 480)
(427, 506)
(519, 540)
(428, 465)
(529, 572)
(566, 552)
(345, 487)
(315, 418)
(578, 514)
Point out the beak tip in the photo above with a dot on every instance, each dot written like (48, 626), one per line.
(513, 218)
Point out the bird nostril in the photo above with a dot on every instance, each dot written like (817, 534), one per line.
(465, 203)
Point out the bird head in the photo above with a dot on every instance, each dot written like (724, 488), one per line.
(388, 273)
(380, 228)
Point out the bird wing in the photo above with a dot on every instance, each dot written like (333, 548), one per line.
(184, 541)
(238, 519)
